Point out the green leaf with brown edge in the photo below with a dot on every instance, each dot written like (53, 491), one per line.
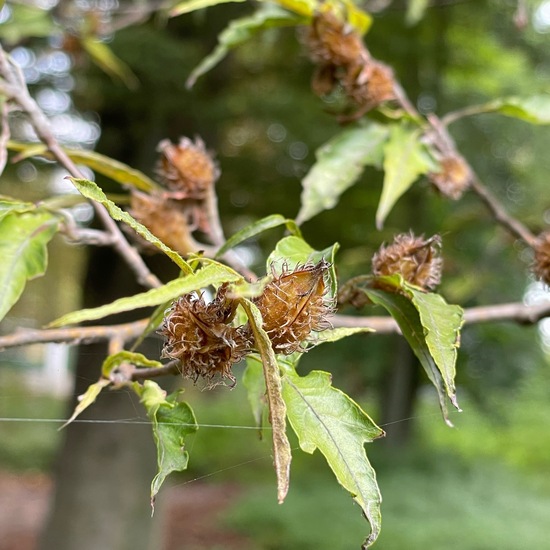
(107, 61)
(325, 418)
(212, 274)
(106, 166)
(254, 382)
(407, 317)
(405, 159)
(340, 162)
(257, 227)
(93, 192)
(173, 421)
(23, 251)
(240, 31)
(293, 251)
(87, 398)
(282, 455)
(188, 6)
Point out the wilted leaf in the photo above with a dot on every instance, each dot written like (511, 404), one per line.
(173, 421)
(107, 61)
(327, 419)
(240, 31)
(340, 162)
(87, 398)
(293, 251)
(282, 455)
(407, 317)
(212, 274)
(254, 382)
(23, 253)
(187, 6)
(91, 191)
(106, 166)
(405, 159)
(255, 228)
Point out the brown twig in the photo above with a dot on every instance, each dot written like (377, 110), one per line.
(73, 335)
(15, 88)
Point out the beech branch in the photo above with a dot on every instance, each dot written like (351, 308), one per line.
(15, 88)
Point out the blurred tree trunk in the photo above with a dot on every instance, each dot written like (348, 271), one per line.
(398, 395)
(103, 471)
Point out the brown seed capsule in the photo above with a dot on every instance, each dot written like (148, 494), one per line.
(415, 259)
(453, 178)
(331, 41)
(201, 337)
(186, 168)
(293, 304)
(370, 84)
(541, 266)
(165, 218)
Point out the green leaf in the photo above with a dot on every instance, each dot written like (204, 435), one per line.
(405, 159)
(240, 31)
(27, 21)
(23, 253)
(282, 455)
(117, 171)
(117, 359)
(534, 109)
(212, 274)
(255, 228)
(254, 382)
(87, 398)
(441, 323)
(335, 334)
(9, 205)
(340, 163)
(107, 61)
(188, 6)
(292, 251)
(301, 7)
(407, 317)
(327, 419)
(91, 191)
(416, 10)
(173, 421)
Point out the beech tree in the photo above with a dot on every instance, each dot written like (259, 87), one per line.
(222, 320)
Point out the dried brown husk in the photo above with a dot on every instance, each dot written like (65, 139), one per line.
(541, 266)
(168, 220)
(187, 168)
(453, 178)
(416, 259)
(295, 303)
(200, 335)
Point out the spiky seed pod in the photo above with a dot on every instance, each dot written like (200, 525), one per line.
(201, 337)
(416, 259)
(453, 178)
(541, 266)
(293, 304)
(330, 41)
(370, 84)
(186, 168)
(165, 218)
